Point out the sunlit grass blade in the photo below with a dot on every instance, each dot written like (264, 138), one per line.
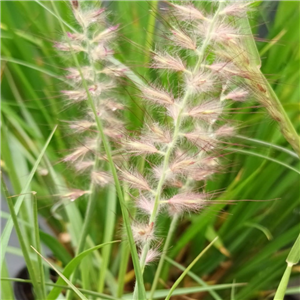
(176, 283)
(193, 276)
(40, 269)
(9, 225)
(24, 246)
(264, 157)
(71, 267)
(292, 259)
(75, 290)
(63, 287)
(268, 145)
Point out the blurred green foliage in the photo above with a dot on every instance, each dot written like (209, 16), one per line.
(257, 235)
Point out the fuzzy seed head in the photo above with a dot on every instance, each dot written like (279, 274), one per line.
(182, 164)
(87, 18)
(79, 37)
(238, 94)
(200, 174)
(76, 96)
(75, 4)
(181, 39)
(75, 76)
(101, 178)
(69, 47)
(145, 204)
(201, 138)
(74, 194)
(157, 95)
(201, 82)
(187, 12)
(186, 202)
(167, 62)
(114, 71)
(135, 180)
(142, 233)
(152, 255)
(82, 166)
(158, 134)
(101, 52)
(207, 111)
(235, 9)
(106, 35)
(225, 131)
(140, 147)
(80, 126)
(80, 152)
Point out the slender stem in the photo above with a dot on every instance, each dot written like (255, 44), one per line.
(268, 145)
(164, 253)
(280, 293)
(41, 281)
(108, 235)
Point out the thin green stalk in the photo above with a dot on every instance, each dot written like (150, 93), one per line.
(123, 268)
(263, 156)
(108, 235)
(268, 145)
(24, 247)
(292, 259)
(176, 283)
(163, 255)
(73, 287)
(150, 30)
(40, 273)
(124, 250)
(193, 276)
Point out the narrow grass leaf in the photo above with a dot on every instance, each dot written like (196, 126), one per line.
(194, 276)
(9, 225)
(56, 247)
(264, 157)
(65, 287)
(70, 267)
(176, 283)
(78, 293)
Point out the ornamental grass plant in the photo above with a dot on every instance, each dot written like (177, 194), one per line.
(158, 140)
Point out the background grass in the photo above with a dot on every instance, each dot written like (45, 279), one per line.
(254, 236)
